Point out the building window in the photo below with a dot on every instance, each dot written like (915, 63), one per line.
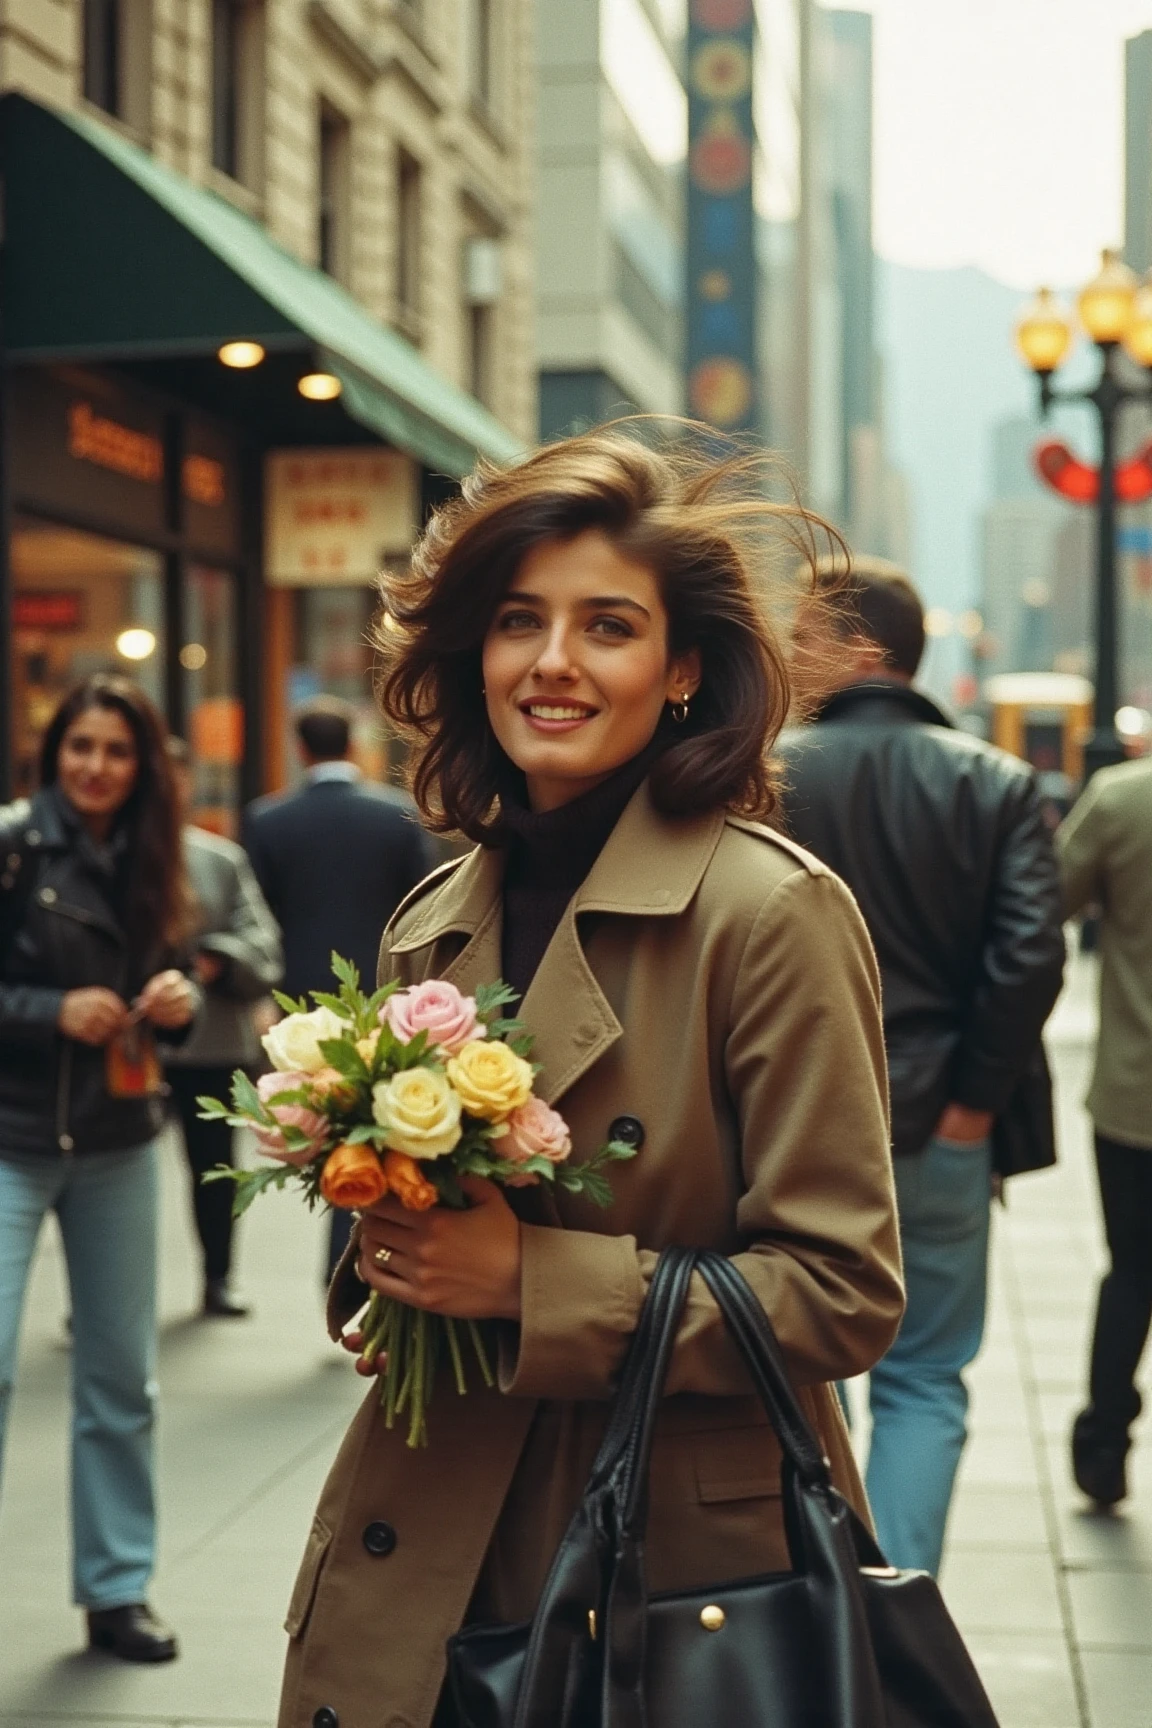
(102, 54)
(480, 24)
(117, 54)
(408, 241)
(333, 199)
(237, 82)
(483, 280)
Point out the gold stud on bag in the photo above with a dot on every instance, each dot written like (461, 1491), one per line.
(712, 1617)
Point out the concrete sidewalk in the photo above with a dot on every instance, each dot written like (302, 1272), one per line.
(1056, 1602)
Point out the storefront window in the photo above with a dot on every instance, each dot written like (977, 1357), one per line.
(212, 705)
(333, 656)
(81, 604)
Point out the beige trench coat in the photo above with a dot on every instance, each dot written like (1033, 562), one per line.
(716, 982)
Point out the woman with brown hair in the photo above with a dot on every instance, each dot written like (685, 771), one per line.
(92, 919)
(593, 686)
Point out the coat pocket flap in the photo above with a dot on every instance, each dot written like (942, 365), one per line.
(737, 1464)
(304, 1590)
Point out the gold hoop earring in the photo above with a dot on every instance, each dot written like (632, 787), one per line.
(680, 710)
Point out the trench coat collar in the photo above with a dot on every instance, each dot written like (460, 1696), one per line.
(650, 867)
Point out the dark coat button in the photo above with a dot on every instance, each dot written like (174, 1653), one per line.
(379, 1538)
(325, 1717)
(628, 1129)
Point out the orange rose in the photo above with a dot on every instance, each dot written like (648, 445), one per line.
(353, 1178)
(405, 1181)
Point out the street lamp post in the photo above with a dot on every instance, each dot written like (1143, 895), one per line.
(1113, 311)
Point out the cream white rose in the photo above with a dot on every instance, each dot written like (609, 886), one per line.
(293, 1044)
(418, 1111)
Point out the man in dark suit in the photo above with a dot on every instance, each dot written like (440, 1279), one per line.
(334, 860)
(943, 841)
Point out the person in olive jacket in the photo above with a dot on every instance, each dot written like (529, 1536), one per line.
(1105, 852)
(93, 914)
(238, 960)
(942, 840)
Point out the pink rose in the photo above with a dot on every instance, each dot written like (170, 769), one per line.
(535, 1130)
(310, 1122)
(436, 1008)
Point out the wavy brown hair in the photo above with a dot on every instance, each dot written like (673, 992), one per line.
(694, 511)
(158, 903)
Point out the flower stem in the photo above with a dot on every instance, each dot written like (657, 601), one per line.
(481, 1354)
(457, 1359)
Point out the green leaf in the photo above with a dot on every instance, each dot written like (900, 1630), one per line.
(250, 1183)
(365, 1134)
(212, 1110)
(522, 1045)
(290, 1004)
(345, 1058)
(247, 1101)
(490, 998)
(443, 1176)
(345, 971)
(336, 1004)
(415, 1054)
(378, 997)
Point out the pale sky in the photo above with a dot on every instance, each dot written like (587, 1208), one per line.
(999, 133)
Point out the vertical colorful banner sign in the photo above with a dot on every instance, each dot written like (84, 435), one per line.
(721, 251)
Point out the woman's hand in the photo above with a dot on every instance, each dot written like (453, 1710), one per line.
(92, 1016)
(167, 1000)
(353, 1342)
(463, 1264)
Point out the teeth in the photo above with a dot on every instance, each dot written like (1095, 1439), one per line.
(546, 711)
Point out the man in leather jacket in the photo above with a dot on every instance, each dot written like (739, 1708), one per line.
(943, 841)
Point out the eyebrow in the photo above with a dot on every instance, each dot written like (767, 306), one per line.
(595, 603)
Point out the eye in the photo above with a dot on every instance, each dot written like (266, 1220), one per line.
(613, 627)
(517, 620)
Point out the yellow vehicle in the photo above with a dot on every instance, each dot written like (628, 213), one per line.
(1044, 717)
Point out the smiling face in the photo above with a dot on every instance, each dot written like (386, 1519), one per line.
(97, 765)
(576, 666)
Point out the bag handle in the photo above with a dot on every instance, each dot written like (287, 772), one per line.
(576, 1581)
(601, 1558)
(823, 1534)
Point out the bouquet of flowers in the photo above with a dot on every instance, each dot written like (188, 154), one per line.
(403, 1092)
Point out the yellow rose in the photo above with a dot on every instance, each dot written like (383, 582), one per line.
(366, 1047)
(491, 1079)
(418, 1111)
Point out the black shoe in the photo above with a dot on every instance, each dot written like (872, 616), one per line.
(1098, 1462)
(133, 1633)
(220, 1300)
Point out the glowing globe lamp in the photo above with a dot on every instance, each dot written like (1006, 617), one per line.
(1138, 336)
(1105, 305)
(1044, 332)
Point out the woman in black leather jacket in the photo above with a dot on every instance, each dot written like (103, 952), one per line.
(93, 915)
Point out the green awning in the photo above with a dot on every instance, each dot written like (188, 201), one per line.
(110, 255)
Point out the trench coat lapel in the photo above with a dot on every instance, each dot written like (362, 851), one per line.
(650, 867)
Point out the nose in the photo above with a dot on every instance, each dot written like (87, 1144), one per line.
(555, 657)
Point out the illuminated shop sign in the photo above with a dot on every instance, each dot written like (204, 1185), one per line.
(334, 516)
(139, 456)
(48, 609)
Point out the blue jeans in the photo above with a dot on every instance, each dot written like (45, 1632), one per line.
(918, 1396)
(106, 1203)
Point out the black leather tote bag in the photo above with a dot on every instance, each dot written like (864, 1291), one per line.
(842, 1640)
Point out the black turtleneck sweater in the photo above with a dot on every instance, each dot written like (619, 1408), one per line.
(549, 856)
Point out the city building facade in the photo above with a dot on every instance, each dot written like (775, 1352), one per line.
(305, 235)
(612, 146)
